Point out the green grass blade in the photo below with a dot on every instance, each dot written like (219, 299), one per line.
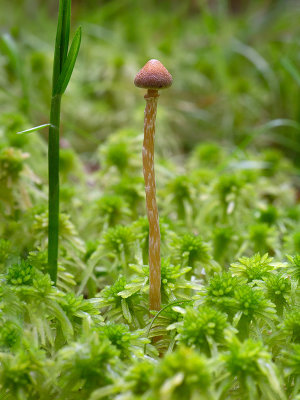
(274, 123)
(260, 63)
(34, 129)
(65, 34)
(64, 62)
(291, 69)
(62, 38)
(69, 64)
(53, 172)
(9, 47)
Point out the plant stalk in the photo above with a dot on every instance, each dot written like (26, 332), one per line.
(152, 212)
(53, 173)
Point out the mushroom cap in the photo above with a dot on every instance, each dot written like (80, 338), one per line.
(153, 75)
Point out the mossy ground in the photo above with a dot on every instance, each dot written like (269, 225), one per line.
(227, 170)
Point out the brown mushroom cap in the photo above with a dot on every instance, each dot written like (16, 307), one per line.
(153, 75)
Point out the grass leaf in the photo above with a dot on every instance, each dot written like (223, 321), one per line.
(62, 38)
(291, 69)
(34, 129)
(69, 64)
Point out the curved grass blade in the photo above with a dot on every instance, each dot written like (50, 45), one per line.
(176, 302)
(291, 69)
(274, 123)
(258, 61)
(34, 129)
(69, 64)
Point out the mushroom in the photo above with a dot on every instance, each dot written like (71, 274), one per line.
(153, 76)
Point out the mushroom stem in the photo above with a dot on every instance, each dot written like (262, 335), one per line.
(149, 175)
(153, 76)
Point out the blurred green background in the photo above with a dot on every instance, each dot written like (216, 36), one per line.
(235, 66)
